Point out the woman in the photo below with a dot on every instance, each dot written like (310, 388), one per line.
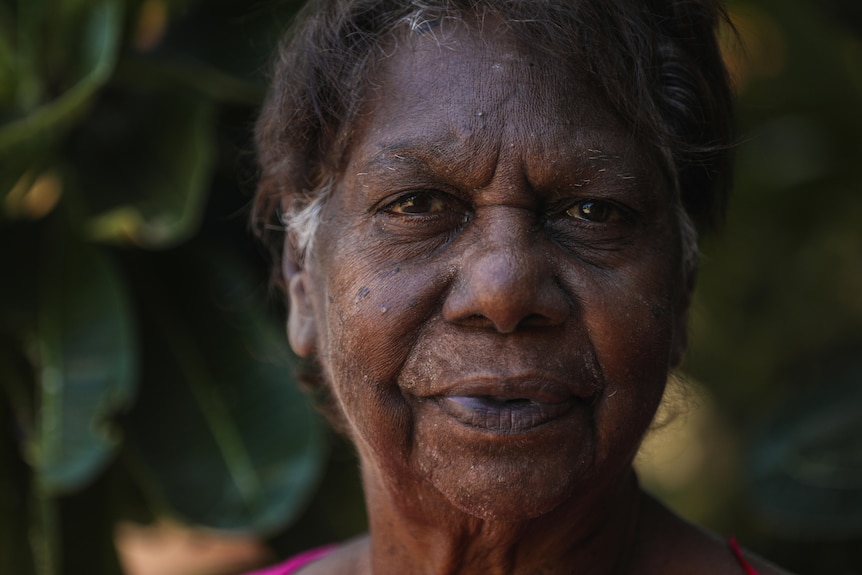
(491, 212)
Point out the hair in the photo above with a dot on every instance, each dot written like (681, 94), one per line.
(657, 63)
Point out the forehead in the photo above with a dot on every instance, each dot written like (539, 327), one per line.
(470, 62)
(465, 92)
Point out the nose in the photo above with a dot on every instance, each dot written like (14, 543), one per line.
(506, 277)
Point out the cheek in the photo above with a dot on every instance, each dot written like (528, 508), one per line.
(368, 321)
(371, 314)
(632, 338)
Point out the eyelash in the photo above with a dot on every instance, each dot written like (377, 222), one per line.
(440, 205)
(605, 211)
(402, 200)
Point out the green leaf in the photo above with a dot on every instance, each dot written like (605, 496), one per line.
(144, 160)
(99, 48)
(807, 466)
(87, 363)
(226, 45)
(227, 438)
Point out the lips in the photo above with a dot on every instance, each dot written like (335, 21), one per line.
(508, 405)
(503, 415)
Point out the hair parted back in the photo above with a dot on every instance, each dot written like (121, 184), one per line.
(657, 63)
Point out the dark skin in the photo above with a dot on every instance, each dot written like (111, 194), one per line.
(496, 296)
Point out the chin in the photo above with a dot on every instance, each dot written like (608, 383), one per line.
(508, 481)
(511, 492)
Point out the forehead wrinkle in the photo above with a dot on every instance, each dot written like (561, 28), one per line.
(448, 156)
(495, 74)
(469, 135)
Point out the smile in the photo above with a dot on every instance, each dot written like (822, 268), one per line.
(503, 415)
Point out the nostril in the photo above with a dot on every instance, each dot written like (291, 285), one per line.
(476, 321)
(506, 314)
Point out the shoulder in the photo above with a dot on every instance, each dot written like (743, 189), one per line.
(349, 558)
(669, 545)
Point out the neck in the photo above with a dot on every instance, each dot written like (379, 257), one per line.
(413, 533)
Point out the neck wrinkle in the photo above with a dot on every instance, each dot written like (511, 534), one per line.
(414, 532)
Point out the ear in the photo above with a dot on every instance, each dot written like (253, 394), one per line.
(679, 345)
(301, 325)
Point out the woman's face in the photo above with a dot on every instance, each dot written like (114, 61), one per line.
(495, 293)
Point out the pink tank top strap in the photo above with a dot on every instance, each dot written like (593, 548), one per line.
(737, 552)
(293, 564)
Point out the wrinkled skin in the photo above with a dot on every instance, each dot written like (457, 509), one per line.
(496, 296)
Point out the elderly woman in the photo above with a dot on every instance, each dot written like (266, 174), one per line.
(491, 212)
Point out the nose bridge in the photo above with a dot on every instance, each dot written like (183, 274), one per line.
(504, 226)
(506, 278)
(505, 246)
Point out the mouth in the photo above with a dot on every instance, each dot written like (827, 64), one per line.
(504, 414)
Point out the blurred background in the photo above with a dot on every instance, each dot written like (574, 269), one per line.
(148, 424)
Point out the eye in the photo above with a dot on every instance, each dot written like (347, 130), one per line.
(427, 219)
(418, 203)
(593, 211)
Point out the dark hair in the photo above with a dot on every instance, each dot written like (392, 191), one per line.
(657, 62)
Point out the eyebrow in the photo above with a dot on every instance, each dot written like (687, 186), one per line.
(423, 151)
(428, 158)
(435, 156)
(385, 159)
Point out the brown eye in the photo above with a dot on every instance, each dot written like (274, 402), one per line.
(592, 211)
(417, 204)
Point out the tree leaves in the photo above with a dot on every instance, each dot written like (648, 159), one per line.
(104, 146)
(237, 446)
(807, 463)
(144, 163)
(87, 368)
(98, 53)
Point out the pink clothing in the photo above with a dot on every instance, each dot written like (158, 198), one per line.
(293, 564)
(737, 552)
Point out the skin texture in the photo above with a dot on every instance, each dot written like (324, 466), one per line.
(496, 297)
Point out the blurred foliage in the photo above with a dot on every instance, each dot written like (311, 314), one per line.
(141, 374)
(776, 333)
